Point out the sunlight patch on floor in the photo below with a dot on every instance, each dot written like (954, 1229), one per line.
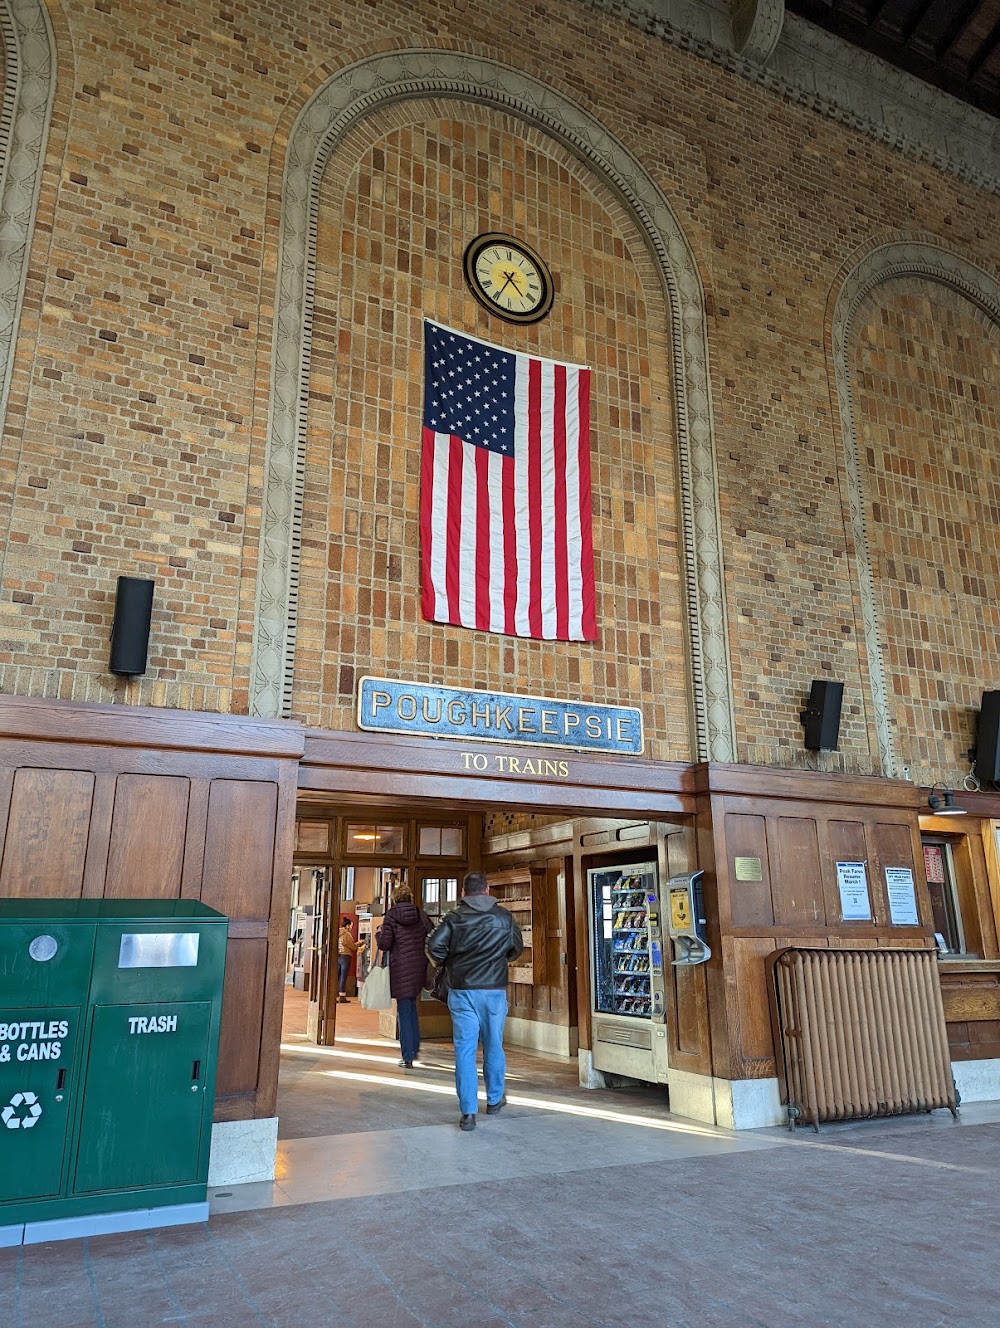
(537, 1103)
(446, 1067)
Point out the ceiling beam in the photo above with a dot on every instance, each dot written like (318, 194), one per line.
(985, 51)
(964, 13)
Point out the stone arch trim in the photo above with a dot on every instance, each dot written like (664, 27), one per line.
(892, 261)
(25, 115)
(329, 114)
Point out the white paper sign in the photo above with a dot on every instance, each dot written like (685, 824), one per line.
(902, 897)
(852, 881)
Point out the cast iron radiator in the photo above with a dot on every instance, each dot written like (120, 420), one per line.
(859, 1033)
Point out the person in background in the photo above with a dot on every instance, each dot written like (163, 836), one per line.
(475, 942)
(402, 936)
(347, 946)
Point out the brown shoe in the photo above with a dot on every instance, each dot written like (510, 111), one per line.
(493, 1107)
(467, 1123)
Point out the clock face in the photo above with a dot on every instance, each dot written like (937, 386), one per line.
(509, 278)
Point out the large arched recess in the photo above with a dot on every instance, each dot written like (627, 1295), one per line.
(329, 114)
(891, 261)
(28, 93)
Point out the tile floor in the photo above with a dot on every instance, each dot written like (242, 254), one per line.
(569, 1208)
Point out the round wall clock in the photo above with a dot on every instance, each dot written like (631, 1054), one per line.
(508, 277)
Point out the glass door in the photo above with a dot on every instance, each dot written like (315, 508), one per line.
(438, 895)
(323, 958)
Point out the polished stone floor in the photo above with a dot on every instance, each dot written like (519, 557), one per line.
(569, 1208)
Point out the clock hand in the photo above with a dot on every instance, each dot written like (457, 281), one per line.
(509, 280)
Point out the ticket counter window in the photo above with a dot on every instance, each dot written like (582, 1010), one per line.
(940, 872)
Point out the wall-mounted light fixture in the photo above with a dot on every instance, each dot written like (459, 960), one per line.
(943, 803)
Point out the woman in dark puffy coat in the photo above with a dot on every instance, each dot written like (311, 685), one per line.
(404, 930)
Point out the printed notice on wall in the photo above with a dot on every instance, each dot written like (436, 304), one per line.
(852, 881)
(902, 897)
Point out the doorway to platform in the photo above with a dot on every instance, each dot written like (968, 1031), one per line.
(341, 1064)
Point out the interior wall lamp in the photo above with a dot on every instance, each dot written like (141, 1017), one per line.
(941, 801)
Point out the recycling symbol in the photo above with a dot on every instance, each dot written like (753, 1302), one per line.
(13, 1115)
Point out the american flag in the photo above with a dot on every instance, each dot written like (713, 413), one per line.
(505, 531)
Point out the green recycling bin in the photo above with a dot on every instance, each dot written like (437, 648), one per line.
(109, 1035)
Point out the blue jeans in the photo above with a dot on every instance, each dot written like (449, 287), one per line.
(409, 1028)
(343, 968)
(478, 1016)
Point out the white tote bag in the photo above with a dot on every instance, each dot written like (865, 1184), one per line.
(375, 992)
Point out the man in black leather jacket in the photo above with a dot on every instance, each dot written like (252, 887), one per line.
(475, 942)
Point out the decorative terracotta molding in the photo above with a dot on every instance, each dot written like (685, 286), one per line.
(841, 82)
(29, 89)
(887, 262)
(339, 104)
(757, 27)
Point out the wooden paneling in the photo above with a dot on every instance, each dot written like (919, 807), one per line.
(966, 1004)
(125, 802)
(239, 848)
(847, 844)
(971, 992)
(687, 988)
(800, 824)
(751, 904)
(795, 893)
(365, 766)
(46, 835)
(893, 847)
(750, 1014)
(148, 830)
(555, 943)
(242, 1009)
(689, 1050)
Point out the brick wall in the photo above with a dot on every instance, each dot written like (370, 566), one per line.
(927, 369)
(134, 442)
(401, 202)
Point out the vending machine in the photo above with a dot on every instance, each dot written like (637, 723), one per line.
(627, 977)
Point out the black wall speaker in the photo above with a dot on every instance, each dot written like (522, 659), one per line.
(130, 629)
(821, 716)
(988, 739)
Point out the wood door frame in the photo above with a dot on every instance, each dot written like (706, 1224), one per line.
(367, 767)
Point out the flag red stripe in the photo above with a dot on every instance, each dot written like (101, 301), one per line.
(589, 614)
(535, 497)
(509, 547)
(483, 517)
(560, 551)
(453, 530)
(485, 522)
(426, 530)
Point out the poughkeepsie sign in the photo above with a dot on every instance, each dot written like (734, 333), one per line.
(386, 705)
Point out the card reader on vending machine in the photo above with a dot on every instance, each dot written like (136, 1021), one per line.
(686, 919)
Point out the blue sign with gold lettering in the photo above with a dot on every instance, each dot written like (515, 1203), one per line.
(388, 706)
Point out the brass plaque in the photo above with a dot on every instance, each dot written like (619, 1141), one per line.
(748, 869)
